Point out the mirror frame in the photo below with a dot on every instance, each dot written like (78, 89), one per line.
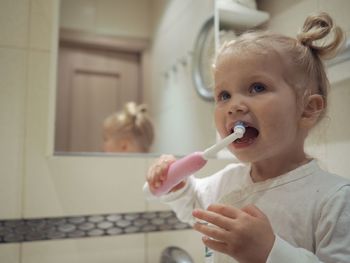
(203, 89)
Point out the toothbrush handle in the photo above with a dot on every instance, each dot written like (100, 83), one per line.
(179, 170)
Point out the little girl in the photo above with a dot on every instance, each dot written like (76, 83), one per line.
(129, 130)
(278, 205)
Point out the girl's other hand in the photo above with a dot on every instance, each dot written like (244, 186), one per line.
(244, 234)
(157, 173)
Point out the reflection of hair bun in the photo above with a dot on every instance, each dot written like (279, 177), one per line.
(133, 111)
(319, 27)
(136, 115)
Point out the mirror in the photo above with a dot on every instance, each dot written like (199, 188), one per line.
(114, 51)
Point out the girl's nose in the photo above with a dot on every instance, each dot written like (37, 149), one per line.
(237, 107)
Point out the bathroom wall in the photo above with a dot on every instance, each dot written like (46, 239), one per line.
(330, 140)
(171, 93)
(132, 18)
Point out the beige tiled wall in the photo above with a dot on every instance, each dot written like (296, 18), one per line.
(10, 253)
(173, 95)
(14, 18)
(13, 72)
(130, 18)
(128, 249)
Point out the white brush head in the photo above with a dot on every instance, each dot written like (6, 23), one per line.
(239, 129)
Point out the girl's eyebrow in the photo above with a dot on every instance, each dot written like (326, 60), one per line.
(219, 88)
(263, 77)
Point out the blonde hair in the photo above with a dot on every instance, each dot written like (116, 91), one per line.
(133, 121)
(318, 39)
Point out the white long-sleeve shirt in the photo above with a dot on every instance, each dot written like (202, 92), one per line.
(308, 208)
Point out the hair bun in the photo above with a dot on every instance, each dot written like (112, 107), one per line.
(320, 27)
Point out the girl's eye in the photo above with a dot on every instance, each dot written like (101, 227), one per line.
(224, 95)
(257, 88)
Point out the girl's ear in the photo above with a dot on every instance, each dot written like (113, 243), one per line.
(314, 106)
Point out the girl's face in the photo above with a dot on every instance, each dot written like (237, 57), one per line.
(120, 144)
(110, 144)
(252, 88)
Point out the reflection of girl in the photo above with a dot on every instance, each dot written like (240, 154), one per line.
(129, 130)
(278, 205)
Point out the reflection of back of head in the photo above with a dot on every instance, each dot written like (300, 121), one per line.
(132, 127)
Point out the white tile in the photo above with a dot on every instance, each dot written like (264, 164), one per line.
(12, 101)
(338, 158)
(78, 14)
(289, 18)
(130, 18)
(329, 141)
(41, 23)
(14, 21)
(339, 72)
(339, 10)
(79, 185)
(179, 114)
(338, 112)
(10, 253)
(338, 129)
(124, 248)
(37, 102)
(315, 145)
(188, 240)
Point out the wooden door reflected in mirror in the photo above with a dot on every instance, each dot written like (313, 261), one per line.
(92, 84)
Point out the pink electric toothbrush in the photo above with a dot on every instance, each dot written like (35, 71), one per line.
(189, 164)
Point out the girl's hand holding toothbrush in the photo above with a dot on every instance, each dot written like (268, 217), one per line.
(166, 175)
(244, 234)
(157, 173)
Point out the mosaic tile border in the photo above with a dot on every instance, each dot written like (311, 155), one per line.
(26, 230)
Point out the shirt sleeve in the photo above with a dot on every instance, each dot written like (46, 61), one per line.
(182, 202)
(282, 251)
(332, 238)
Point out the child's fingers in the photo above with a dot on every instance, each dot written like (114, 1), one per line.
(213, 218)
(157, 173)
(163, 165)
(215, 245)
(214, 238)
(225, 210)
(154, 177)
(253, 211)
(211, 231)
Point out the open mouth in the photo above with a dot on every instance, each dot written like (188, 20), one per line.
(249, 136)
